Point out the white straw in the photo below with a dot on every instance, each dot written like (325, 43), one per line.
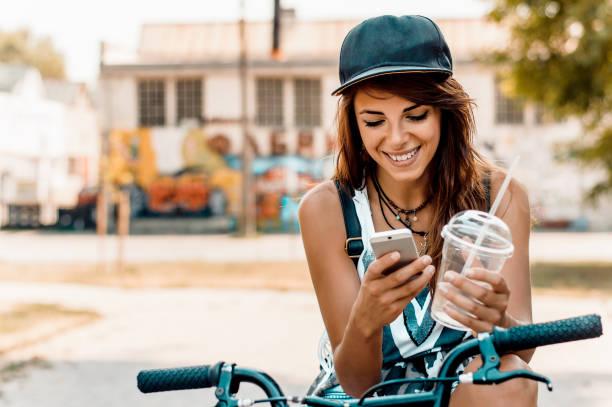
(483, 231)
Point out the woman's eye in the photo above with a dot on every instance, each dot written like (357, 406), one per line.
(418, 118)
(373, 124)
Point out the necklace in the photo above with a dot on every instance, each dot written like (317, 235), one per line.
(382, 198)
(397, 210)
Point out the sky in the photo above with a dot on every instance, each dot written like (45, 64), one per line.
(77, 27)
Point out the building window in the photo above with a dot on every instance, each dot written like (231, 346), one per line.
(152, 102)
(307, 102)
(507, 110)
(188, 99)
(278, 146)
(305, 143)
(269, 100)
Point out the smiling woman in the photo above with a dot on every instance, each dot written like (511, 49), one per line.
(406, 159)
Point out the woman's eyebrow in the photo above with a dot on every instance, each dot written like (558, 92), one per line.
(381, 113)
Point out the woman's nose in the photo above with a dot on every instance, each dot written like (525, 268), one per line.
(399, 134)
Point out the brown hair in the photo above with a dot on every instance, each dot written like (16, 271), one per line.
(457, 168)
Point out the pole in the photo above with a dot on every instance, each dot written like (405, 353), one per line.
(247, 224)
(123, 228)
(276, 22)
(102, 204)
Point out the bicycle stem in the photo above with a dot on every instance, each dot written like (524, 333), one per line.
(230, 378)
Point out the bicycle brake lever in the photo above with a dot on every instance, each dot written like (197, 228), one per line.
(489, 372)
(495, 377)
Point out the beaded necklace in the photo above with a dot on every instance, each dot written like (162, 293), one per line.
(396, 210)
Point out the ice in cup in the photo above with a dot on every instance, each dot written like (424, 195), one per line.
(460, 237)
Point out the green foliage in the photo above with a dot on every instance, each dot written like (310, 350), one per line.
(559, 54)
(20, 47)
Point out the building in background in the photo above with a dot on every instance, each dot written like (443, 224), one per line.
(49, 146)
(186, 76)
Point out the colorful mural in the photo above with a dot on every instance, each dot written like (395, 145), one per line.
(179, 172)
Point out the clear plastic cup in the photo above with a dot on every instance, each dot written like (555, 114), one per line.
(460, 235)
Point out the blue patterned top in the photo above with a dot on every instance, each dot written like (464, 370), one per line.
(414, 331)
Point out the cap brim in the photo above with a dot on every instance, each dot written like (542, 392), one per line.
(387, 70)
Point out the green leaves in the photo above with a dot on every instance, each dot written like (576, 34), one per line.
(560, 55)
(19, 47)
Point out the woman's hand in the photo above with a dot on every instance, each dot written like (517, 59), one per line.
(485, 304)
(382, 297)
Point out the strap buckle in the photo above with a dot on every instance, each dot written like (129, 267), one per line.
(346, 247)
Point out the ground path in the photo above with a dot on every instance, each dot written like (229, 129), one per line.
(96, 365)
(36, 247)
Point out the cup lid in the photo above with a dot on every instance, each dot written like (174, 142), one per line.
(466, 226)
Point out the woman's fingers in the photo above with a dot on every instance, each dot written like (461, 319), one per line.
(410, 272)
(484, 296)
(475, 324)
(407, 290)
(377, 267)
(488, 293)
(467, 304)
(495, 280)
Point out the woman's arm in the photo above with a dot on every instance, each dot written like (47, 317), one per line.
(354, 314)
(508, 302)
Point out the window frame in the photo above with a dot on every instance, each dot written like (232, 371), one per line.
(155, 115)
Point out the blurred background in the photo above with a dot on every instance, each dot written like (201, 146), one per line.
(152, 159)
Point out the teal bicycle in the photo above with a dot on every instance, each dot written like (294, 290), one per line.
(227, 377)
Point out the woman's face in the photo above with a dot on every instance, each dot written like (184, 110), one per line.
(399, 135)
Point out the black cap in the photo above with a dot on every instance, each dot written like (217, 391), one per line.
(389, 44)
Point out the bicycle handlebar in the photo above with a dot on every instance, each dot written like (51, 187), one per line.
(504, 340)
(183, 378)
(547, 333)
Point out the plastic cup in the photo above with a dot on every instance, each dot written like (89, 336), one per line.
(460, 235)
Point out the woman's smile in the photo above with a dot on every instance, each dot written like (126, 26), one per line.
(404, 159)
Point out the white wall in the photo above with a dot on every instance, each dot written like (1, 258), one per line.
(119, 102)
(222, 97)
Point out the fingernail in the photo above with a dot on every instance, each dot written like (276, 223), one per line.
(449, 276)
(443, 289)
(395, 255)
(469, 272)
(426, 260)
(429, 269)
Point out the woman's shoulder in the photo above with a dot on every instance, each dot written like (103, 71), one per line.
(322, 223)
(515, 197)
(322, 201)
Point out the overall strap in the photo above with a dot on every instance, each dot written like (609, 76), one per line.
(353, 245)
(486, 183)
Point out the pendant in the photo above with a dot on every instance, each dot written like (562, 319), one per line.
(407, 221)
(414, 218)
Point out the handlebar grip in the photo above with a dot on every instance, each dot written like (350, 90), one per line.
(183, 378)
(531, 336)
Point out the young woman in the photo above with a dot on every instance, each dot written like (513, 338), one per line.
(406, 157)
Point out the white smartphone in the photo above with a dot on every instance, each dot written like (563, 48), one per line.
(399, 240)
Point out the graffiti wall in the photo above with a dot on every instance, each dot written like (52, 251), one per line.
(174, 172)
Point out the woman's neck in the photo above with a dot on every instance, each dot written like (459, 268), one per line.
(405, 194)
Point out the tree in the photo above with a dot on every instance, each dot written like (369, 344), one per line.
(19, 47)
(559, 54)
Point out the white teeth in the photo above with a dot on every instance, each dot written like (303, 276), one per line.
(404, 157)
